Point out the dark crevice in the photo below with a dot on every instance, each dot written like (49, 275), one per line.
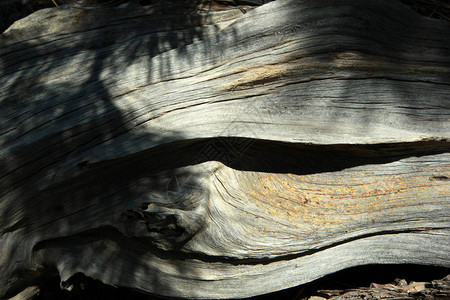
(285, 257)
(395, 79)
(271, 156)
(143, 245)
(439, 178)
(240, 154)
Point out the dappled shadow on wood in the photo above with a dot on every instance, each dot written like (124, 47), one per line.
(165, 148)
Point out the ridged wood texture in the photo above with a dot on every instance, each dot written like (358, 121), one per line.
(222, 152)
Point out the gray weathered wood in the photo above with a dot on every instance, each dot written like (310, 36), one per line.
(222, 153)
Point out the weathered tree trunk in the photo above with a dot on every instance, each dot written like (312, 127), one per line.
(220, 153)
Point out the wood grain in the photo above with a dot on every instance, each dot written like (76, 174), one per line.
(206, 152)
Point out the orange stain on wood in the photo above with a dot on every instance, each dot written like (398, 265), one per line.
(258, 76)
(328, 200)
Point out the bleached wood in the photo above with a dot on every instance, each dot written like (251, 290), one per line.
(222, 154)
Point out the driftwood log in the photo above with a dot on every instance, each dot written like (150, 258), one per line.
(222, 152)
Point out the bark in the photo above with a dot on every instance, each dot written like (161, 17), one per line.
(222, 151)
